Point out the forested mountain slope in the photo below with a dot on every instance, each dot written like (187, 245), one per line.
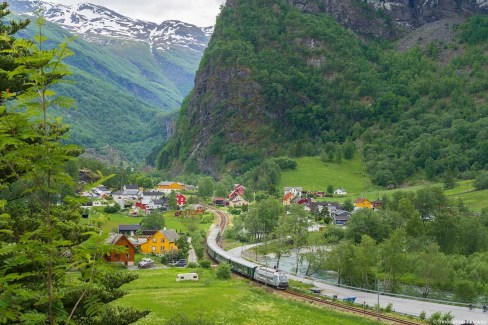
(129, 75)
(286, 78)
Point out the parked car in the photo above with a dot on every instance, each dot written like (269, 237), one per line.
(145, 263)
(179, 263)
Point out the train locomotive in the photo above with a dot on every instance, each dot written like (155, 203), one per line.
(261, 274)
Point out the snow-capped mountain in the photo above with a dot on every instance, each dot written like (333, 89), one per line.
(130, 74)
(93, 21)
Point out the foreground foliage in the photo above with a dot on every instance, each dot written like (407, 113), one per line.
(42, 243)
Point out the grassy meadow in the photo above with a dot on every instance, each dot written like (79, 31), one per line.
(227, 302)
(123, 218)
(314, 175)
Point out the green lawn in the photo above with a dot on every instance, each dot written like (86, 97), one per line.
(226, 302)
(172, 222)
(314, 175)
(475, 200)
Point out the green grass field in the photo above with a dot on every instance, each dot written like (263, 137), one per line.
(227, 302)
(314, 175)
(172, 222)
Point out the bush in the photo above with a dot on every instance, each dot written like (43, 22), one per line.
(205, 264)
(422, 315)
(223, 272)
(285, 163)
(112, 208)
(440, 318)
(389, 308)
(192, 265)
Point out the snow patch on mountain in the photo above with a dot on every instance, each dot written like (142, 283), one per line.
(92, 21)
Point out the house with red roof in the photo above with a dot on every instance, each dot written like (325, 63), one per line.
(363, 203)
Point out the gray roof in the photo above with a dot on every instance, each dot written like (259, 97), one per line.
(131, 187)
(153, 193)
(171, 235)
(129, 227)
(113, 239)
(341, 215)
(126, 192)
(161, 202)
(330, 204)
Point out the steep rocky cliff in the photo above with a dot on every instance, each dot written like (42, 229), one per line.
(388, 19)
(286, 77)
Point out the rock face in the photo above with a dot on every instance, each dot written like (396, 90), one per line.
(391, 18)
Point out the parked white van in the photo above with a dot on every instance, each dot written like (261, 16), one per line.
(187, 277)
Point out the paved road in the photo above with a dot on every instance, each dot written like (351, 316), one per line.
(192, 257)
(412, 307)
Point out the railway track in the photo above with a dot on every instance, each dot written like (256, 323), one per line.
(356, 310)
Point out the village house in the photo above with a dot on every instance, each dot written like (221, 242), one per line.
(238, 189)
(363, 203)
(287, 199)
(162, 241)
(237, 201)
(195, 209)
(340, 217)
(102, 190)
(340, 191)
(167, 187)
(127, 196)
(296, 191)
(191, 188)
(220, 201)
(153, 195)
(316, 207)
(180, 199)
(377, 204)
(127, 256)
(128, 230)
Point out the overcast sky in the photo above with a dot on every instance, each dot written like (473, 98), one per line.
(198, 12)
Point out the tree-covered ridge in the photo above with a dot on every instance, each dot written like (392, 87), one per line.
(276, 81)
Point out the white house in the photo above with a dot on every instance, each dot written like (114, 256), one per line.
(129, 193)
(340, 191)
(237, 201)
(296, 191)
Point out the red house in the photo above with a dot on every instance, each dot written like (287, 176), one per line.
(220, 201)
(141, 206)
(126, 257)
(180, 199)
(238, 190)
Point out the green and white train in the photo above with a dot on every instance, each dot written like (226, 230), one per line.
(266, 275)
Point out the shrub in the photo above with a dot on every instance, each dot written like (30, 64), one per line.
(389, 308)
(205, 264)
(192, 265)
(112, 208)
(422, 315)
(440, 318)
(223, 272)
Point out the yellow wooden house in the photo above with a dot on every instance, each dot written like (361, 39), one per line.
(162, 241)
(171, 186)
(363, 203)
